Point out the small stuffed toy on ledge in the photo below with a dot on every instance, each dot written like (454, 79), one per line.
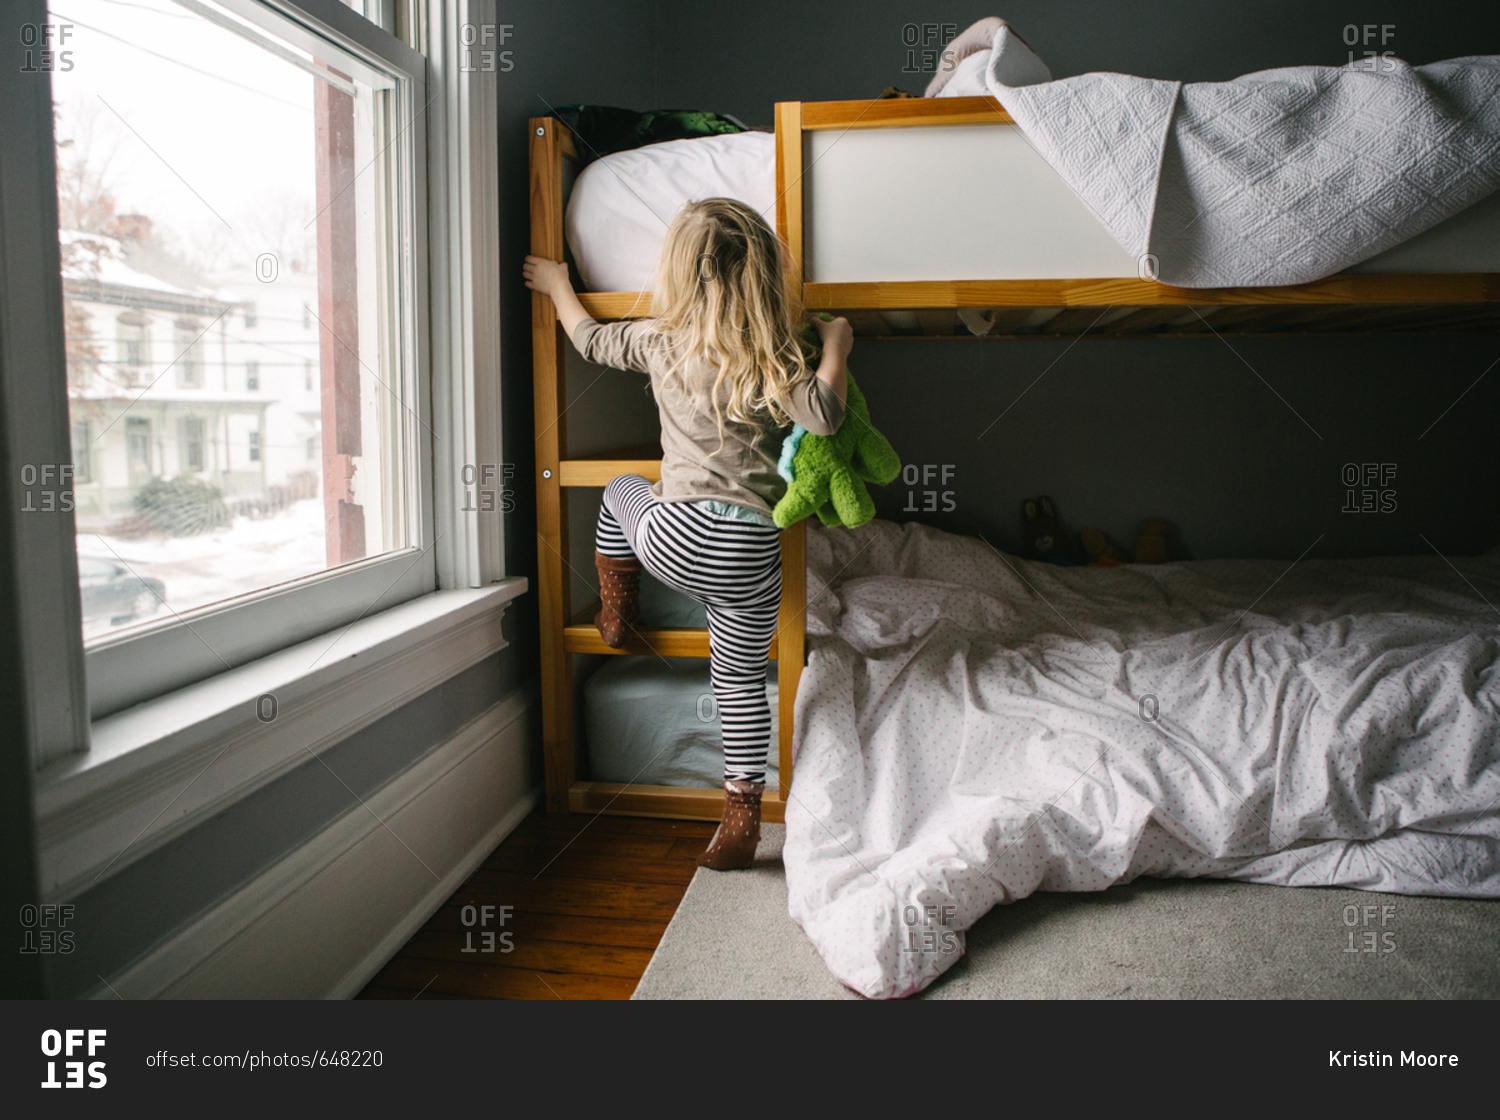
(826, 475)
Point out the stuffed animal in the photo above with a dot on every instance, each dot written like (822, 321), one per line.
(1151, 545)
(1100, 553)
(1043, 537)
(826, 475)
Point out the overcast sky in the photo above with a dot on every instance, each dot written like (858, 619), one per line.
(230, 164)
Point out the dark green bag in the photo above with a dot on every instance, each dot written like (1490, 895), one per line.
(602, 129)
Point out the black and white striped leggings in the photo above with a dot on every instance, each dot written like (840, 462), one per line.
(733, 568)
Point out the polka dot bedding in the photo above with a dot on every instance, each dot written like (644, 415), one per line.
(973, 727)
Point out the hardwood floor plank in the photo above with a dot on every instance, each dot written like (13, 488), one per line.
(627, 933)
(547, 862)
(435, 978)
(594, 898)
(525, 953)
(584, 928)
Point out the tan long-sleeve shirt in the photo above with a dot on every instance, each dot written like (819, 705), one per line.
(693, 466)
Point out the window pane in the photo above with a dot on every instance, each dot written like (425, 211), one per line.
(236, 350)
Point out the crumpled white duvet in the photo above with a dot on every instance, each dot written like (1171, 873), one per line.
(973, 727)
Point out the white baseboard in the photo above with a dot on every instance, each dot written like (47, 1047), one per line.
(324, 920)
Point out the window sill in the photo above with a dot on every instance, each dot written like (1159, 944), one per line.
(157, 769)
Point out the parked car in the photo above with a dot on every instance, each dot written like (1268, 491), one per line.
(111, 590)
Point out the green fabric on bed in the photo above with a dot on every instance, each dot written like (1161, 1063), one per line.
(603, 129)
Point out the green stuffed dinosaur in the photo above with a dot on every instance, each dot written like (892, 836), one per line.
(826, 474)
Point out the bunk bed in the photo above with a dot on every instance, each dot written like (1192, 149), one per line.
(824, 153)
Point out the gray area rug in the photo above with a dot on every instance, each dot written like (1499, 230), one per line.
(1175, 939)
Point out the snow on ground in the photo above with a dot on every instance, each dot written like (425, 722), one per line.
(248, 555)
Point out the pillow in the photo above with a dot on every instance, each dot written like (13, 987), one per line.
(621, 205)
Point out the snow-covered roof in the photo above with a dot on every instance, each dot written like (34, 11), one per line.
(113, 269)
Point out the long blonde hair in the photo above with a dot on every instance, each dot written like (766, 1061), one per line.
(723, 295)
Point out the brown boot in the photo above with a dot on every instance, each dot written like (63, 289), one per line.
(619, 597)
(733, 846)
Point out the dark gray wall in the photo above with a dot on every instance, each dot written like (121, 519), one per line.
(785, 50)
(1119, 430)
(566, 52)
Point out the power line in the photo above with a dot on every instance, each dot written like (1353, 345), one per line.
(184, 65)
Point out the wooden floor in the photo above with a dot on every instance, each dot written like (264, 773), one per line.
(589, 899)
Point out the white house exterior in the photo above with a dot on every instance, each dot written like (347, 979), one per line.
(168, 382)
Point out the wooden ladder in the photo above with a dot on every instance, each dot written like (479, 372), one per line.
(565, 631)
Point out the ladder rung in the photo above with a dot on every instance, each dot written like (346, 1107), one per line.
(580, 636)
(600, 472)
(680, 802)
(616, 305)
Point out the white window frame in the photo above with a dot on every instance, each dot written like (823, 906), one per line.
(183, 648)
(106, 782)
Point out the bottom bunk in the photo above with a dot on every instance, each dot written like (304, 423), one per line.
(972, 727)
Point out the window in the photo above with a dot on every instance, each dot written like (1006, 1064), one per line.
(187, 337)
(190, 440)
(133, 345)
(138, 449)
(314, 448)
(304, 198)
(83, 463)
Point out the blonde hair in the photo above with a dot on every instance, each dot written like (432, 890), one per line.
(723, 295)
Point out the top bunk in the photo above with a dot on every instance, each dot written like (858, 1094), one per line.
(936, 217)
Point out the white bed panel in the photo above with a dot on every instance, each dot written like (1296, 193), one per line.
(950, 203)
(1467, 242)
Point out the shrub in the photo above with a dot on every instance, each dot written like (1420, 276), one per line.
(181, 507)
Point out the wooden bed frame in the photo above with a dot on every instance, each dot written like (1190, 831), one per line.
(1346, 303)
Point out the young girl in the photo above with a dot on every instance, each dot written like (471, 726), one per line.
(729, 377)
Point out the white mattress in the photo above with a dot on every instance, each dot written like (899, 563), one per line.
(652, 722)
(622, 204)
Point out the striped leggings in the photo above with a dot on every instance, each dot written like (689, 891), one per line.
(734, 569)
